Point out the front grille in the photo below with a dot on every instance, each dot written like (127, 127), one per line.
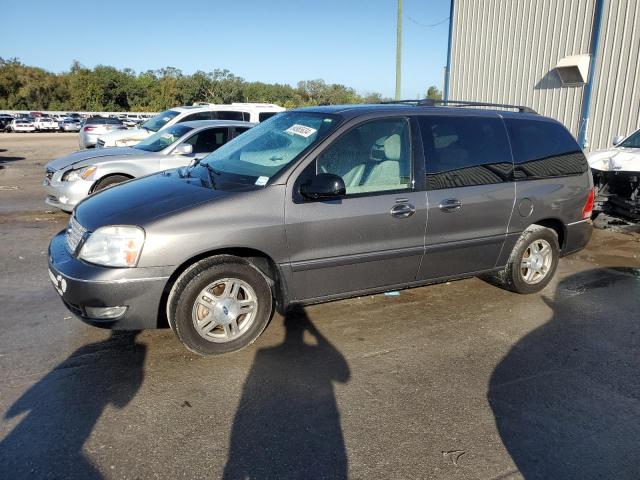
(75, 232)
(100, 143)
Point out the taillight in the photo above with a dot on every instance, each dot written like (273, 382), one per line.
(88, 128)
(588, 205)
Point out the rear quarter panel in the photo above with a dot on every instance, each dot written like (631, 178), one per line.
(558, 199)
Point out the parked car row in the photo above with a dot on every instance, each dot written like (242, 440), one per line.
(39, 124)
(313, 205)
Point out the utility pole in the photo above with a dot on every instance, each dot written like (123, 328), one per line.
(399, 51)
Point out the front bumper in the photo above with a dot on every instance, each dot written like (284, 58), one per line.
(65, 195)
(82, 285)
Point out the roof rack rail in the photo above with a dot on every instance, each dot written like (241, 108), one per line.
(391, 102)
(431, 102)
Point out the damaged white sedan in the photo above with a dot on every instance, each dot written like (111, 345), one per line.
(616, 176)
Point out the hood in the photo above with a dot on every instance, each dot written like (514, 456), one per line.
(615, 159)
(139, 201)
(133, 135)
(82, 155)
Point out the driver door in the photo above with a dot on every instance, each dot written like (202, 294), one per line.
(374, 236)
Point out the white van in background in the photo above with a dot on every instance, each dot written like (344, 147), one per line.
(247, 112)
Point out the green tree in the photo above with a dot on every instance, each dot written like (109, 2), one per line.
(434, 93)
(105, 88)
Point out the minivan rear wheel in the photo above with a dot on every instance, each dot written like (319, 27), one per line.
(532, 263)
(220, 305)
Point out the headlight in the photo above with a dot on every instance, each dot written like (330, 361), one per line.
(117, 246)
(84, 173)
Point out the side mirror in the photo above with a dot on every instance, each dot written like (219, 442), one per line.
(324, 186)
(617, 139)
(183, 149)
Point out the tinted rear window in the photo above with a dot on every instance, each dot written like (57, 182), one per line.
(227, 115)
(465, 151)
(103, 121)
(262, 116)
(543, 149)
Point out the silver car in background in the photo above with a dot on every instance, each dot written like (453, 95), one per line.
(71, 178)
(69, 125)
(96, 126)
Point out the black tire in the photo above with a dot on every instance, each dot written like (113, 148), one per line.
(512, 278)
(190, 284)
(109, 182)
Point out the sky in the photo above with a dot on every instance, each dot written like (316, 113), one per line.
(352, 42)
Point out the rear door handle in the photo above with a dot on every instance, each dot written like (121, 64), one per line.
(450, 205)
(402, 210)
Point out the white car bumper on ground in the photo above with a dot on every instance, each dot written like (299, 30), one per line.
(122, 138)
(19, 128)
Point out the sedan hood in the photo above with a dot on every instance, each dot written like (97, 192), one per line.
(139, 201)
(615, 160)
(82, 155)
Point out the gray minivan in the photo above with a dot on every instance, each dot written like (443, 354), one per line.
(324, 203)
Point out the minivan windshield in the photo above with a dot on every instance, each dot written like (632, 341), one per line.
(156, 123)
(260, 153)
(632, 142)
(161, 140)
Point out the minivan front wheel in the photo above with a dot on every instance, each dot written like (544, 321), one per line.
(532, 263)
(220, 305)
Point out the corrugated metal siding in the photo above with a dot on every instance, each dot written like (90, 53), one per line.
(506, 52)
(615, 107)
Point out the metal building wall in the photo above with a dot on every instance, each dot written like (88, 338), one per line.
(505, 51)
(615, 102)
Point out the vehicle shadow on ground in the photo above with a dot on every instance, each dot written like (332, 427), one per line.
(288, 424)
(63, 408)
(566, 398)
(6, 159)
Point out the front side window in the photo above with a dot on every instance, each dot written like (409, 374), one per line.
(632, 142)
(372, 157)
(156, 123)
(465, 151)
(262, 152)
(207, 141)
(161, 140)
(543, 149)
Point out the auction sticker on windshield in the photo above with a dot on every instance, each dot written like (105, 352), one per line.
(301, 130)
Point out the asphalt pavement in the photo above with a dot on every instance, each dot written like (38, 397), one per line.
(457, 381)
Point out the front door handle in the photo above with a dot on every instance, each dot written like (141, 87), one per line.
(450, 205)
(402, 210)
